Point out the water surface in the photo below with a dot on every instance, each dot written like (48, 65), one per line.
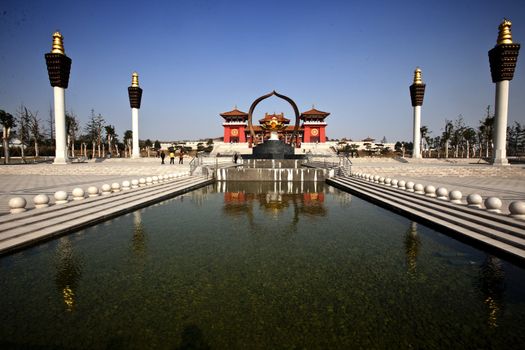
(260, 266)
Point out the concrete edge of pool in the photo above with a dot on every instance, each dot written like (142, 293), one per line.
(503, 234)
(25, 229)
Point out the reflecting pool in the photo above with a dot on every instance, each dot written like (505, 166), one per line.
(260, 266)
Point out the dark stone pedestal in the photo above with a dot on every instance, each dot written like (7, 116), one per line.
(272, 149)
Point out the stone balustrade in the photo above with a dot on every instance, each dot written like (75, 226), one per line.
(18, 204)
(473, 200)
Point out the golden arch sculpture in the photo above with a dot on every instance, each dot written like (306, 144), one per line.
(287, 99)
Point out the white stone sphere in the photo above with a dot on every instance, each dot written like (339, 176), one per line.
(493, 204)
(401, 184)
(474, 200)
(60, 197)
(442, 193)
(170, 176)
(142, 181)
(376, 178)
(106, 189)
(93, 191)
(155, 179)
(388, 181)
(134, 183)
(430, 191)
(149, 180)
(166, 177)
(517, 209)
(115, 187)
(78, 194)
(455, 196)
(394, 182)
(126, 185)
(17, 205)
(381, 180)
(410, 186)
(41, 200)
(419, 188)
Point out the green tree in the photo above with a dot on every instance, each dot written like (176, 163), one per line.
(157, 145)
(148, 145)
(72, 126)
(110, 136)
(128, 138)
(8, 122)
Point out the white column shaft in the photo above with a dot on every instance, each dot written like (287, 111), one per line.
(135, 129)
(416, 152)
(500, 123)
(60, 125)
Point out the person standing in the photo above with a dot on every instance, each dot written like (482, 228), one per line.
(181, 157)
(162, 156)
(172, 157)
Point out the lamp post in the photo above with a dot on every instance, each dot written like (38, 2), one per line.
(502, 58)
(58, 68)
(135, 96)
(417, 92)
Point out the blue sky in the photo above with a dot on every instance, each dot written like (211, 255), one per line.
(196, 59)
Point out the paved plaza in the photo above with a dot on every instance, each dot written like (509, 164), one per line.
(28, 180)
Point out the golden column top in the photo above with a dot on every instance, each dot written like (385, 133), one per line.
(417, 76)
(135, 79)
(58, 45)
(504, 35)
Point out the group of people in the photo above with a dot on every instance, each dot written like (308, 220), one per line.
(172, 157)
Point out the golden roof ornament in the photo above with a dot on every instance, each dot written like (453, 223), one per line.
(135, 79)
(504, 35)
(417, 76)
(58, 45)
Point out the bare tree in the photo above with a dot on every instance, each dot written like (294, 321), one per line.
(94, 130)
(34, 129)
(23, 129)
(8, 122)
(51, 122)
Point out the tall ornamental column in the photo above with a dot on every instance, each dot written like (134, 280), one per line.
(417, 92)
(502, 58)
(135, 96)
(58, 68)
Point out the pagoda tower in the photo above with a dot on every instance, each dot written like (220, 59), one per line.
(314, 125)
(235, 123)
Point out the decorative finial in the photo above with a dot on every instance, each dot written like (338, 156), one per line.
(135, 79)
(313, 106)
(58, 45)
(504, 35)
(417, 76)
(235, 107)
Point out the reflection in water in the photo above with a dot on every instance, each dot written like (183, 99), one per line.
(68, 271)
(274, 199)
(412, 245)
(139, 236)
(492, 286)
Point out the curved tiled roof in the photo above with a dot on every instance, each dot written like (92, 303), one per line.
(234, 113)
(314, 113)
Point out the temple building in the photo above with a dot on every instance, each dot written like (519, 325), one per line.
(311, 130)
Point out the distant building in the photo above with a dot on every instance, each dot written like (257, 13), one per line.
(312, 129)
